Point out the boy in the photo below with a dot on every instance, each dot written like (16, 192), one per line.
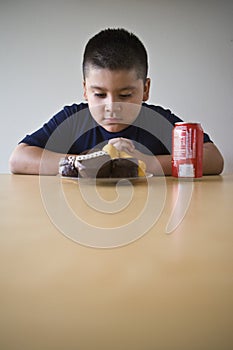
(116, 87)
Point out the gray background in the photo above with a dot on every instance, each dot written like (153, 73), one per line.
(190, 46)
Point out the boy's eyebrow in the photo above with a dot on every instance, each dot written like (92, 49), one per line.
(96, 87)
(130, 87)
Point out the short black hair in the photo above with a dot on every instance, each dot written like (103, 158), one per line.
(116, 49)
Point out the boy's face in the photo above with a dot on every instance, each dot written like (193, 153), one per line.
(114, 97)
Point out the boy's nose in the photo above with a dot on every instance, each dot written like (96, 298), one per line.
(112, 106)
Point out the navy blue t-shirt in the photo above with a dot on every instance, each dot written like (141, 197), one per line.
(73, 131)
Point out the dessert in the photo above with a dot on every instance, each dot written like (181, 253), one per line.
(115, 154)
(124, 167)
(67, 168)
(106, 163)
(94, 164)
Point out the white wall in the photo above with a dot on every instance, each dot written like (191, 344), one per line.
(190, 46)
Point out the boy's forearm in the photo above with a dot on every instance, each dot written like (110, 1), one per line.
(27, 160)
(212, 160)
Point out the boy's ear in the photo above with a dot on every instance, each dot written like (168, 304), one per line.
(84, 90)
(146, 90)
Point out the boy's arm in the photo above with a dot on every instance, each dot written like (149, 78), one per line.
(26, 159)
(213, 161)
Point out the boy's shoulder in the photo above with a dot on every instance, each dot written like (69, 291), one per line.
(158, 109)
(74, 108)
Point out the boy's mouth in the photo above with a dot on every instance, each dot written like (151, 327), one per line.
(112, 120)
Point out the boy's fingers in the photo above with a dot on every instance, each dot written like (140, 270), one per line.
(122, 144)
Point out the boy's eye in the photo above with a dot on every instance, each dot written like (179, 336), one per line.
(125, 95)
(103, 95)
(100, 95)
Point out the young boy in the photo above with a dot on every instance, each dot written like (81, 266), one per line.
(116, 87)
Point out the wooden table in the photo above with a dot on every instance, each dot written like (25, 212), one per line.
(172, 288)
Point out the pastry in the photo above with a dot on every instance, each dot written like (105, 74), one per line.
(107, 163)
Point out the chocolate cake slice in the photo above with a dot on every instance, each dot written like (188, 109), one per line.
(67, 167)
(124, 167)
(94, 164)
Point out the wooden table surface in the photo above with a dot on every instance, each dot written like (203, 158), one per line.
(148, 266)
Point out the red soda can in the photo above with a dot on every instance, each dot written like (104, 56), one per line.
(187, 150)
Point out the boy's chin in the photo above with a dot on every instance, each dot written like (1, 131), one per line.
(114, 127)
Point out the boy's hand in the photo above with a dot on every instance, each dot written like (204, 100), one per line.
(122, 144)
